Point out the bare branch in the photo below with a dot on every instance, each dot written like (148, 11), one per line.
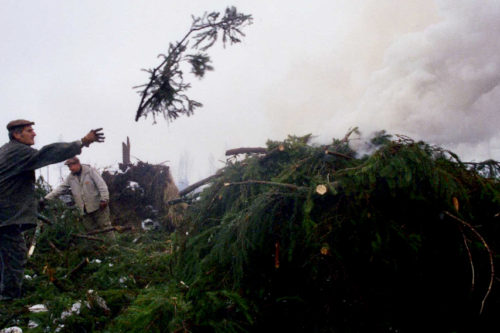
(329, 152)
(254, 150)
(290, 186)
(202, 182)
(490, 254)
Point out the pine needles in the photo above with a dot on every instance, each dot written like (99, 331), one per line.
(304, 238)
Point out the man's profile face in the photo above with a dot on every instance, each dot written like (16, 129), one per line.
(27, 136)
(74, 167)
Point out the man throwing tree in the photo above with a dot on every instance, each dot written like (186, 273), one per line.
(18, 210)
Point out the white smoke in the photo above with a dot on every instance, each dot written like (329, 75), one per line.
(426, 69)
(441, 84)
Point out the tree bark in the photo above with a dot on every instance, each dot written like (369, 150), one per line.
(202, 182)
(254, 150)
(329, 152)
(264, 182)
(82, 264)
(109, 229)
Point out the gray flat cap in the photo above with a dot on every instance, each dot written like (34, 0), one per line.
(72, 160)
(18, 123)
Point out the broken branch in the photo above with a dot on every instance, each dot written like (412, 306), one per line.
(78, 267)
(109, 229)
(183, 199)
(55, 248)
(202, 182)
(329, 152)
(490, 254)
(255, 150)
(470, 259)
(290, 186)
(44, 219)
(88, 237)
(346, 137)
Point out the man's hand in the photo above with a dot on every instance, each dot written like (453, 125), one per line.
(95, 135)
(103, 204)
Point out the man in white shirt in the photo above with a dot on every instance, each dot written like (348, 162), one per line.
(90, 194)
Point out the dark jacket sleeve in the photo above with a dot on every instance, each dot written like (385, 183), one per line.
(18, 163)
(32, 159)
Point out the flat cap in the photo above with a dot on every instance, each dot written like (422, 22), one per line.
(18, 123)
(72, 160)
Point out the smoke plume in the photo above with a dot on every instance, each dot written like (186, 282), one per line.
(427, 69)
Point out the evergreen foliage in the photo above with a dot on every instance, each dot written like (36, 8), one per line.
(165, 93)
(378, 251)
(403, 240)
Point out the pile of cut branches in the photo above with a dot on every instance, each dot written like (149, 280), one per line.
(319, 238)
(291, 237)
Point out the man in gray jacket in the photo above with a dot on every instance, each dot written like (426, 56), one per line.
(90, 194)
(18, 211)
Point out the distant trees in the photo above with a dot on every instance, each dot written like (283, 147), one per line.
(165, 93)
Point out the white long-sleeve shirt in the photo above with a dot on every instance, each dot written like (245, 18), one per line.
(88, 189)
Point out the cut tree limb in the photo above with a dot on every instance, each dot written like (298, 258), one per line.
(329, 152)
(88, 237)
(181, 200)
(33, 241)
(219, 173)
(82, 264)
(202, 182)
(348, 134)
(55, 248)
(109, 229)
(44, 219)
(254, 150)
(290, 186)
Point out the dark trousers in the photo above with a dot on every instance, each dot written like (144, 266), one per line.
(12, 261)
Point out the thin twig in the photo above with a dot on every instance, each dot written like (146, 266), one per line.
(490, 254)
(55, 248)
(470, 259)
(88, 237)
(346, 137)
(83, 263)
(110, 229)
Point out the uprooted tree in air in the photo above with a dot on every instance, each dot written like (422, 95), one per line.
(166, 90)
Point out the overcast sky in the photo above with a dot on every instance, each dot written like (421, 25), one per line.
(424, 68)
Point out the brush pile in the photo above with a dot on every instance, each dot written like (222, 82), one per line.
(295, 237)
(139, 194)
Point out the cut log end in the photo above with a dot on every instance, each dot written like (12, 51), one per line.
(321, 189)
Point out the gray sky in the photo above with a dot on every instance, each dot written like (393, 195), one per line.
(423, 68)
